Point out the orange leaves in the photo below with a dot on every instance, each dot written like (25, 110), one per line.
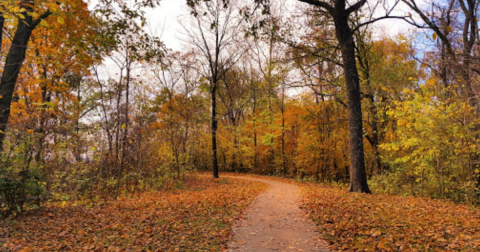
(351, 221)
(197, 218)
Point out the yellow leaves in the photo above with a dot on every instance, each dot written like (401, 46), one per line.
(449, 29)
(15, 9)
(402, 123)
(409, 91)
(43, 23)
(434, 36)
(431, 132)
(60, 20)
(432, 82)
(53, 7)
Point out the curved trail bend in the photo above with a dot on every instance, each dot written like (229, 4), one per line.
(274, 222)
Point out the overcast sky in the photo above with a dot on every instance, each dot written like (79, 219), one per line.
(164, 20)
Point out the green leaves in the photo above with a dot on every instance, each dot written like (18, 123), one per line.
(426, 150)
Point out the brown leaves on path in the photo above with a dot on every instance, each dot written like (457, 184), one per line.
(359, 222)
(198, 218)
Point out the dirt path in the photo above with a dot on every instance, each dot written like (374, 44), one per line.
(275, 223)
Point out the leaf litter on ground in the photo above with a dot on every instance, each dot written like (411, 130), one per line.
(197, 218)
(360, 222)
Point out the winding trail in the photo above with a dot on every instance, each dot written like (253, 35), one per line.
(274, 222)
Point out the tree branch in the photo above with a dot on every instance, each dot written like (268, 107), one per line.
(378, 19)
(320, 4)
(356, 6)
(43, 16)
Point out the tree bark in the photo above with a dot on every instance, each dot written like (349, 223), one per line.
(14, 62)
(214, 130)
(2, 23)
(254, 115)
(343, 32)
(358, 175)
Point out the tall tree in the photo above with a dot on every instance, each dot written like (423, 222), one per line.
(340, 13)
(16, 56)
(214, 34)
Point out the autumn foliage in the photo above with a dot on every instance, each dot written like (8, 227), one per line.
(195, 215)
(103, 110)
(351, 222)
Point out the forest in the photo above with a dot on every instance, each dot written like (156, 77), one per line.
(96, 111)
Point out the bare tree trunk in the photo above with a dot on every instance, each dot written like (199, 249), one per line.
(220, 23)
(358, 175)
(2, 23)
(125, 126)
(234, 165)
(214, 130)
(254, 115)
(284, 161)
(375, 139)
